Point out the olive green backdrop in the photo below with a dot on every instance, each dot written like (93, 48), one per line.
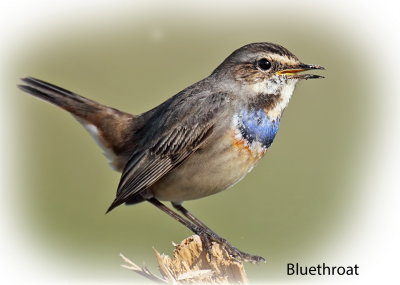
(290, 208)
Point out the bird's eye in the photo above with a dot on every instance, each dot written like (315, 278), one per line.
(264, 64)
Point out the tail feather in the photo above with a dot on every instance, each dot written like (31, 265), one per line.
(112, 129)
(71, 102)
(45, 85)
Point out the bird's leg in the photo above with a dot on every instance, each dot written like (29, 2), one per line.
(213, 236)
(207, 235)
(191, 217)
(194, 228)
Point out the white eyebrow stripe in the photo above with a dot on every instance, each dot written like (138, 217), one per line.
(282, 59)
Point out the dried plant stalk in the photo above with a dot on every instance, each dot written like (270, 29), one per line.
(189, 264)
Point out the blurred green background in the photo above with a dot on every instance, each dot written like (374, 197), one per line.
(288, 209)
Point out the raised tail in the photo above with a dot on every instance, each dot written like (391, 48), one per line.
(112, 129)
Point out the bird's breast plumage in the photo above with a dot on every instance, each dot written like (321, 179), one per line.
(254, 131)
(230, 154)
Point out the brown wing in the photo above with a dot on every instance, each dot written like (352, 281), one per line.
(186, 127)
(146, 168)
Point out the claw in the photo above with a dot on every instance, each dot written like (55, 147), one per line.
(207, 240)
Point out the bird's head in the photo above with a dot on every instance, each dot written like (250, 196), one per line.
(267, 70)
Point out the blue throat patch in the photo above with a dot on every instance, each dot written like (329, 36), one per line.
(254, 125)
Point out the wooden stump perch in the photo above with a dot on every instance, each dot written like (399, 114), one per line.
(191, 265)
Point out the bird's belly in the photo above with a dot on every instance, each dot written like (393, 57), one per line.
(209, 170)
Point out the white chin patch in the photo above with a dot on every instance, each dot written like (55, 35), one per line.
(277, 85)
(270, 87)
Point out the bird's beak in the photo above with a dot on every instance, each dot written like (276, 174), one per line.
(293, 71)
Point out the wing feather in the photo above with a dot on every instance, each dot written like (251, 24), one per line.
(175, 144)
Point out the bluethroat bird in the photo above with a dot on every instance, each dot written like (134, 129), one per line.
(199, 142)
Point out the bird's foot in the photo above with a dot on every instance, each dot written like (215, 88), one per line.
(208, 238)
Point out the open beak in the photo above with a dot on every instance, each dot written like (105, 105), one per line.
(294, 70)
